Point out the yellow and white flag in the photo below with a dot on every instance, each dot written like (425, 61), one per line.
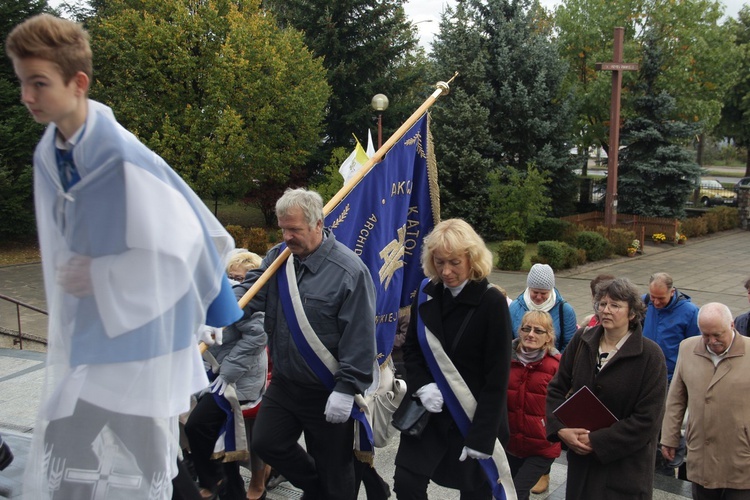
(355, 161)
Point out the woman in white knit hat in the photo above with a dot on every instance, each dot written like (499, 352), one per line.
(541, 295)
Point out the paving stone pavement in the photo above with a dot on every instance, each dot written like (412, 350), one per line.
(711, 268)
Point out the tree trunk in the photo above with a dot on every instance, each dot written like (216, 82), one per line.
(585, 165)
(747, 164)
(699, 150)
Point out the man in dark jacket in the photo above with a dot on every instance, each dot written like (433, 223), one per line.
(671, 317)
(741, 321)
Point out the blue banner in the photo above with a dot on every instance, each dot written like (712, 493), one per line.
(384, 220)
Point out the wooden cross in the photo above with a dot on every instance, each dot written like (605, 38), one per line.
(616, 67)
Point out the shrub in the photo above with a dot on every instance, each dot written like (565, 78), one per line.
(620, 238)
(552, 253)
(728, 217)
(693, 227)
(596, 246)
(713, 221)
(236, 232)
(581, 254)
(510, 255)
(274, 236)
(549, 229)
(257, 240)
(570, 255)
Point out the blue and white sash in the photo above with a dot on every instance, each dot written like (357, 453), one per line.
(231, 444)
(318, 357)
(462, 404)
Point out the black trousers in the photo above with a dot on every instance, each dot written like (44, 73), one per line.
(183, 487)
(375, 486)
(411, 486)
(325, 469)
(526, 472)
(701, 493)
(202, 430)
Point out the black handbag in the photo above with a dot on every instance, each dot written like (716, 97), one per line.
(410, 417)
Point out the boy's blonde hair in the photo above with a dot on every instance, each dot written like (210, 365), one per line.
(53, 39)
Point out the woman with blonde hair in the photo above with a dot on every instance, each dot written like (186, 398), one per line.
(534, 362)
(457, 356)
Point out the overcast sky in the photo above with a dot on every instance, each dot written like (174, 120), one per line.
(427, 14)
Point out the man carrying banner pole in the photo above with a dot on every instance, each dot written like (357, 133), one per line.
(320, 314)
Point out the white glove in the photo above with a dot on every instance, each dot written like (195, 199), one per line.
(339, 407)
(210, 335)
(431, 398)
(219, 385)
(468, 452)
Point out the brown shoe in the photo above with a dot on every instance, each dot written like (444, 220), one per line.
(542, 485)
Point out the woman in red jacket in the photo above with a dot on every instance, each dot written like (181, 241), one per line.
(534, 361)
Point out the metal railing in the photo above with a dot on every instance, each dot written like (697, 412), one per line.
(19, 305)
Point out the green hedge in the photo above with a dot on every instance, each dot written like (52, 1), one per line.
(596, 246)
(550, 252)
(510, 255)
(549, 229)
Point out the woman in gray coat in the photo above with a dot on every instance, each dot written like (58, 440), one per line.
(628, 373)
(243, 364)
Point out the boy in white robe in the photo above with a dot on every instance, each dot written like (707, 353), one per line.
(133, 264)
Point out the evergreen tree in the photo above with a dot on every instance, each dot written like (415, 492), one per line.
(657, 174)
(508, 110)
(368, 47)
(19, 133)
(460, 125)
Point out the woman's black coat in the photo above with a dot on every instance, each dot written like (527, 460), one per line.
(482, 357)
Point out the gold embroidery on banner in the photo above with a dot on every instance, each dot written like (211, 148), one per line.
(392, 256)
(418, 140)
(341, 217)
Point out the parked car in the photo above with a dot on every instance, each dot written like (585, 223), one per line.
(744, 182)
(711, 193)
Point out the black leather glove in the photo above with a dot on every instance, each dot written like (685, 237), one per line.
(6, 456)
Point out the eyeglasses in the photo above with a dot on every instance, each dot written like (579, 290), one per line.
(538, 331)
(613, 307)
(237, 277)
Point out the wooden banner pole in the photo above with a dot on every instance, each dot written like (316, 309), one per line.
(443, 88)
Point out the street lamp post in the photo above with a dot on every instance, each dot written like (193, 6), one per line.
(380, 103)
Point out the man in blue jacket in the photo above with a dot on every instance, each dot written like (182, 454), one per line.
(671, 317)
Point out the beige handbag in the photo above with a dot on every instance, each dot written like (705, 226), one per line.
(383, 402)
